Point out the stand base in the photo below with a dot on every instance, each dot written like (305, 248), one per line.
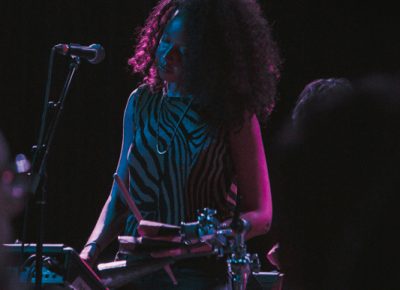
(62, 268)
(265, 281)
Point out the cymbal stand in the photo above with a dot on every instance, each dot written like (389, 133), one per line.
(225, 240)
(240, 263)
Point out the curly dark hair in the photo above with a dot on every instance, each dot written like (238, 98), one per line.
(232, 63)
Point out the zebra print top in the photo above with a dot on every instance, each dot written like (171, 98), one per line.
(194, 173)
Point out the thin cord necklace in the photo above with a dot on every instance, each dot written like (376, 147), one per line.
(162, 152)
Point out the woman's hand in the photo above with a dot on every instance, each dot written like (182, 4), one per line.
(273, 256)
(90, 253)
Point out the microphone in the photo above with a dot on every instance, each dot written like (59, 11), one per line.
(93, 53)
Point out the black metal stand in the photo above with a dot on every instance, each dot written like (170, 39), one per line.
(241, 264)
(39, 165)
(226, 241)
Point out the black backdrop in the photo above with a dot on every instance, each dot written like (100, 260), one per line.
(317, 39)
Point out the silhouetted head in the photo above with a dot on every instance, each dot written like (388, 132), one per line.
(314, 94)
(337, 203)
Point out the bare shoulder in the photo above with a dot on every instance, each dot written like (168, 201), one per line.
(136, 94)
(249, 129)
(134, 98)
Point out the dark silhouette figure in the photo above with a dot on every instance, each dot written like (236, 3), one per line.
(338, 192)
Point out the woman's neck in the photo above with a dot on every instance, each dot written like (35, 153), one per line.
(174, 91)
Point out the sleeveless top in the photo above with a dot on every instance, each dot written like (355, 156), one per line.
(195, 172)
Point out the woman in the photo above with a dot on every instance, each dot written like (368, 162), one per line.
(191, 130)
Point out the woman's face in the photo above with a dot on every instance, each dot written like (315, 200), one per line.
(171, 50)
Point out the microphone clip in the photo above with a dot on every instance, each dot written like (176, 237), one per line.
(93, 53)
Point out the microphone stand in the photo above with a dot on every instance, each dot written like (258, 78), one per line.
(41, 153)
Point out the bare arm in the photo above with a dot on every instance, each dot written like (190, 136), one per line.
(252, 173)
(113, 214)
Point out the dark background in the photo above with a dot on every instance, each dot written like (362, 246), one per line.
(317, 39)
